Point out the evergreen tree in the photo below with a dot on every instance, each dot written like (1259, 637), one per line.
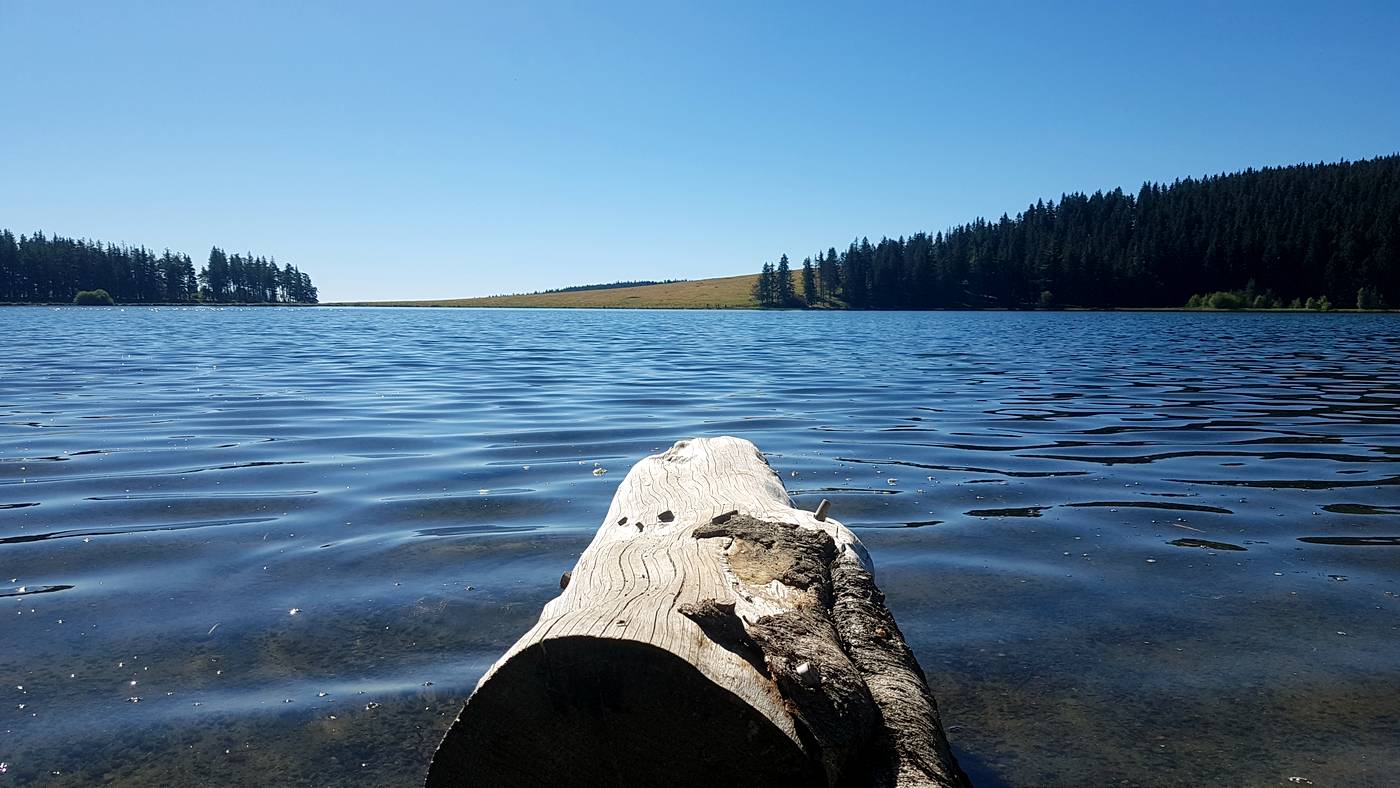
(10, 281)
(809, 283)
(215, 276)
(782, 283)
(764, 287)
(827, 273)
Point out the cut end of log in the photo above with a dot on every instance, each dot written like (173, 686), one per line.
(574, 711)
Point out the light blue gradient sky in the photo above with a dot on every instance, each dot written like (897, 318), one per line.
(400, 150)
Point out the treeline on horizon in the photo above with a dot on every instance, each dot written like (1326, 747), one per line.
(1319, 231)
(43, 269)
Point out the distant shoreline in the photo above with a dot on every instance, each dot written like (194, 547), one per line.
(725, 308)
(739, 292)
(439, 305)
(153, 303)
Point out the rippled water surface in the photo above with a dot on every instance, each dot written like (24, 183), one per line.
(279, 546)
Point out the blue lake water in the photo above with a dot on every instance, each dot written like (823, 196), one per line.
(279, 546)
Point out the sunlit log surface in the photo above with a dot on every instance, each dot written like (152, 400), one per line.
(710, 635)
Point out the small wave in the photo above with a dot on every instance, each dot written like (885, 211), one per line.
(1360, 508)
(1023, 511)
(847, 490)
(1206, 544)
(892, 526)
(201, 495)
(1175, 507)
(27, 590)
(1293, 484)
(1353, 541)
(475, 530)
(135, 529)
(140, 474)
(1134, 459)
(460, 496)
(966, 468)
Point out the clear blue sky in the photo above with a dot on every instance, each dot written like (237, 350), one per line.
(400, 150)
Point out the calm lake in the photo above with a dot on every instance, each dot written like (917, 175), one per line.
(279, 546)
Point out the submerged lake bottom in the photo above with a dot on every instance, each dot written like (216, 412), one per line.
(279, 547)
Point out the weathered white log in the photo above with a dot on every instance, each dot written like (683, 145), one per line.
(711, 634)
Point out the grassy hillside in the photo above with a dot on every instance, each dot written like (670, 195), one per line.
(729, 292)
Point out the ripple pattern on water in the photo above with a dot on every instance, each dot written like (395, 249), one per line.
(298, 536)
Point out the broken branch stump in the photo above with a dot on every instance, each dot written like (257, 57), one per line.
(711, 634)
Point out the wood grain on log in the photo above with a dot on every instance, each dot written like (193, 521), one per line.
(711, 634)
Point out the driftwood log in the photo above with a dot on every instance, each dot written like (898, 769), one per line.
(710, 635)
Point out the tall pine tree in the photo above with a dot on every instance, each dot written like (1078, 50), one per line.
(782, 283)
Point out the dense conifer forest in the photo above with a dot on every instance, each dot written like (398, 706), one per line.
(41, 269)
(1259, 238)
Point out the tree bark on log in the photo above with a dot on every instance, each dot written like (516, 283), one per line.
(711, 634)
